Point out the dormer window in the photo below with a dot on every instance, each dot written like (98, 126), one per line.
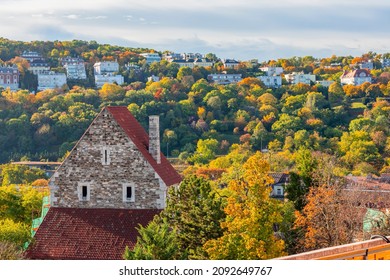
(128, 192)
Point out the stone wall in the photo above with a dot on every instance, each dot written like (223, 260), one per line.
(106, 173)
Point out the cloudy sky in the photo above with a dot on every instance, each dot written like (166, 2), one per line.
(262, 29)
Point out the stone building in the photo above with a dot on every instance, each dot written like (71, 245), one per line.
(114, 179)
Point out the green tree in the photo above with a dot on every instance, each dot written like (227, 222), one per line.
(156, 241)
(20, 174)
(14, 232)
(194, 211)
(205, 151)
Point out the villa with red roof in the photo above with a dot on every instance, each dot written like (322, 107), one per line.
(355, 77)
(114, 180)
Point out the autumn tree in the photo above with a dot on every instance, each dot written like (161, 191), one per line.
(250, 217)
(329, 218)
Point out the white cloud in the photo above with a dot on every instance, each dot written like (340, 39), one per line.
(72, 16)
(249, 28)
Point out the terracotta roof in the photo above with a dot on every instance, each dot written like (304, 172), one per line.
(140, 138)
(355, 73)
(87, 234)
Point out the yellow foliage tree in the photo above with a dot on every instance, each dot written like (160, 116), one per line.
(251, 216)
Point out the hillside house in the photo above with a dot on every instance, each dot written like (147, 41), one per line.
(355, 77)
(224, 78)
(279, 184)
(300, 78)
(51, 80)
(106, 73)
(9, 77)
(114, 179)
(151, 57)
(230, 63)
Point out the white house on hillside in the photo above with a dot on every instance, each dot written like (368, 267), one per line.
(271, 81)
(272, 70)
(105, 67)
(108, 78)
(50, 80)
(355, 77)
(296, 78)
(224, 79)
(151, 57)
(105, 72)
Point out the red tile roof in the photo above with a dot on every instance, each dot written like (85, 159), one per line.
(140, 138)
(87, 234)
(355, 73)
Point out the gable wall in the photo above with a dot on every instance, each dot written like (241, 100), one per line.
(84, 166)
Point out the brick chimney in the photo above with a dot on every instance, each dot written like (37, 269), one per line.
(154, 138)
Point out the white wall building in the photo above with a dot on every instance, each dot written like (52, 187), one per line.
(184, 63)
(203, 62)
(108, 78)
(355, 77)
(296, 78)
(75, 71)
(151, 57)
(271, 81)
(272, 71)
(50, 80)
(224, 79)
(39, 66)
(105, 67)
(230, 63)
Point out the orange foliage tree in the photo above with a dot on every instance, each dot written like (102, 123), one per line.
(251, 215)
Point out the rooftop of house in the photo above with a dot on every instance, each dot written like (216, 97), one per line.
(356, 73)
(89, 234)
(279, 177)
(140, 138)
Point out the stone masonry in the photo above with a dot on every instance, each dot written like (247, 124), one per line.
(106, 161)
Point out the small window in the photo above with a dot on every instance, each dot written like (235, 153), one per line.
(128, 192)
(84, 191)
(106, 156)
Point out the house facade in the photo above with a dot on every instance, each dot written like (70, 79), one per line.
(151, 57)
(75, 71)
(51, 80)
(355, 77)
(9, 77)
(39, 66)
(224, 79)
(108, 78)
(75, 68)
(105, 72)
(272, 70)
(105, 67)
(114, 179)
(297, 78)
(271, 81)
(230, 63)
